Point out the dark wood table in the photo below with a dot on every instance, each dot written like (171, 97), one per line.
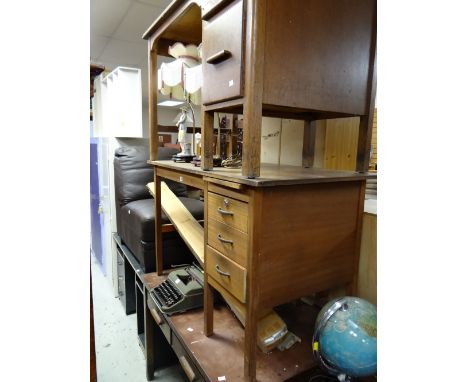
(221, 356)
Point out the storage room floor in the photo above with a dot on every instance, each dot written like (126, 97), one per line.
(119, 358)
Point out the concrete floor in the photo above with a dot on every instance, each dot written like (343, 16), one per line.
(119, 358)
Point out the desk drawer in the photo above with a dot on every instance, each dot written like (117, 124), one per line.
(229, 241)
(185, 361)
(223, 55)
(159, 318)
(181, 177)
(227, 273)
(229, 211)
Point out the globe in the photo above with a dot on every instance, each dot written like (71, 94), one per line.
(345, 337)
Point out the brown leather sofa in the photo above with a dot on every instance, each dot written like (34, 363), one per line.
(135, 208)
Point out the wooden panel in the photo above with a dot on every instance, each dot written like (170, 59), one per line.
(341, 143)
(226, 191)
(225, 183)
(239, 211)
(255, 16)
(180, 21)
(328, 45)
(308, 240)
(308, 145)
(272, 175)
(152, 100)
(235, 283)
(189, 229)
(211, 7)
(222, 354)
(367, 281)
(207, 139)
(237, 250)
(222, 78)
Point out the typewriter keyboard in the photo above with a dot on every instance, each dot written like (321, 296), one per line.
(167, 294)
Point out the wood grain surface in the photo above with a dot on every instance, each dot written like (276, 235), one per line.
(238, 209)
(308, 240)
(237, 250)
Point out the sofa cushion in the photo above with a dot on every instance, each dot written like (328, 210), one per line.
(132, 173)
(138, 218)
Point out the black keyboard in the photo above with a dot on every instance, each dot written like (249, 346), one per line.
(167, 294)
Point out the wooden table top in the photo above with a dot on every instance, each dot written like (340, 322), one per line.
(222, 355)
(272, 175)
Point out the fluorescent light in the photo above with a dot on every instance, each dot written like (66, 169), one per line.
(170, 103)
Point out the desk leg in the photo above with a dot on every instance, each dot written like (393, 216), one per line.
(208, 308)
(158, 223)
(250, 344)
(207, 139)
(149, 340)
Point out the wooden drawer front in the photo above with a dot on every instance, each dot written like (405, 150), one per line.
(228, 211)
(229, 241)
(185, 361)
(227, 273)
(222, 55)
(159, 318)
(181, 177)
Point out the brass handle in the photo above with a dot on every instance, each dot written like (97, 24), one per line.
(223, 240)
(224, 212)
(222, 273)
(187, 369)
(156, 316)
(218, 57)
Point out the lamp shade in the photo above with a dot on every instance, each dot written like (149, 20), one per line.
(182, 78)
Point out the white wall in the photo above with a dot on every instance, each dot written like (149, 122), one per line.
(282, 141)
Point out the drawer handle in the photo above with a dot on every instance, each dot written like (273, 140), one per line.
(224, 212)
(156, 316)
(187, 369)
(223, 240)
(222, 273)
(218, 57)
(119, 262)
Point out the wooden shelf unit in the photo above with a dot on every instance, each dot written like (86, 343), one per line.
(300, 226)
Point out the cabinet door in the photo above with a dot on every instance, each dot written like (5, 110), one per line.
(223, 55)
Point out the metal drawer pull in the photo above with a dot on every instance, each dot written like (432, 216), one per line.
(187, 369)
(223, 240)
(119, 262)
(227, 274)
(219, 56)
(224, 212)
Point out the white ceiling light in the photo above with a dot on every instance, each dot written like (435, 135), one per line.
(170, 103)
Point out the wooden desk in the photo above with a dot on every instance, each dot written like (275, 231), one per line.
(222, 354)
(269, 241)
(273, 234)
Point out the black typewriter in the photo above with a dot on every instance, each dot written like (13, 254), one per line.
(181, 291)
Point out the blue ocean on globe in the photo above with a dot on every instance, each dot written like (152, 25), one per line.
(349, 339)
